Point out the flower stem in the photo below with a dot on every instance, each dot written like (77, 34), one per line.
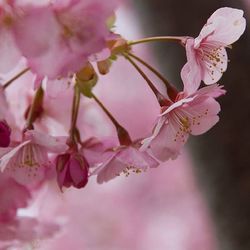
(161, 99)
(6, 85)
(122, 133)
(74, 115)
(35, 108)
(181, 39)
(171, 90)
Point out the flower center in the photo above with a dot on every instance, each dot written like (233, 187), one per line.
(29, 158)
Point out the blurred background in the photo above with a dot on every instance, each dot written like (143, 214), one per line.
(221, 161)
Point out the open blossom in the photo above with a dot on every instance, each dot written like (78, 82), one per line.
(64, 36)
(124, 159)
(97, 151)
(190, 114)
(10, 54)
(72, 170)
(28, 161)
(206, 54)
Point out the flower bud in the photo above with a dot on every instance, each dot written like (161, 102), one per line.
(4, 134)
(104, 66)
(86, 79)
(72, 170)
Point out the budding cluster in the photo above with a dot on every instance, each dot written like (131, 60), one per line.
(56, 128)
(65, 56)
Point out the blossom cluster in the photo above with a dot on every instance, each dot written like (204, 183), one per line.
(66, 46)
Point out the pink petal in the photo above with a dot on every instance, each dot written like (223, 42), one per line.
(177, 104)
(45, 28)
(28, 166)
(191, 71)
(10, 55)
(98, 151)
(55, 144)
(146, 142)
(167, 145)
(11, 153)
(38, 81)
(203, 115)
(56, 87)
(137, 159)
(110, 169)
(214, 91)
(43, 49)
(126, 159)
(230, 25)
(214, 67)
(63, 176)
(101, 56)
(78, 171)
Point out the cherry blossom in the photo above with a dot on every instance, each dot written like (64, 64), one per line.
(124, 159)
(28, 161)
(97, 151)
(69, 32)
(206, 54)
(54, 129)
(10, 54)
(190, 114)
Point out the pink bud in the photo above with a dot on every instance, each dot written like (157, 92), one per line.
(72, 170)
(4, 134)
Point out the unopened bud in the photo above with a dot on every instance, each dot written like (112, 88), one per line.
(72, 170)
(4, 134)
(86, 79)
(104, 66)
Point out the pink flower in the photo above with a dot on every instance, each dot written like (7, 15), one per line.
(124, 159)
(28, 161)
(69, 32)
(72, 170)
(97, 151)
(10, 55)
(190, 114)
(206, 54)
(4, 134)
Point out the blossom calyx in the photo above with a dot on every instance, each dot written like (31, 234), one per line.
(86, 79)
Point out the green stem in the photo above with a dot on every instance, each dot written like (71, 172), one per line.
(171, 90)
(6, 85)
(74, 113)
(158, 39)
(122, 133)
(161, 99)
(35, 106)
